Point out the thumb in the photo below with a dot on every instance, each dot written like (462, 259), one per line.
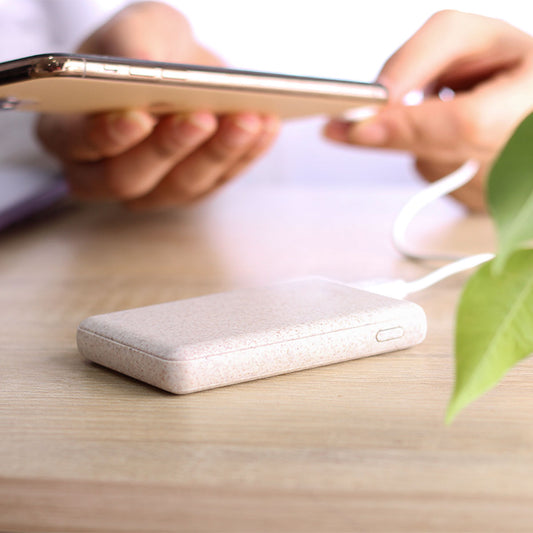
(432, 129)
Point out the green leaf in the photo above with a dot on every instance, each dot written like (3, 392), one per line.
(494, 327)
(510, 192)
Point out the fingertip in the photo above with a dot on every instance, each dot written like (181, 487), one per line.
(396, 91)
(110, 134)
(371, 132)
(247, 122)
(270, 127)
(240, 129)
(129, 126)
(186, 129)
(271, 124)
(204, 121)
(337, 130)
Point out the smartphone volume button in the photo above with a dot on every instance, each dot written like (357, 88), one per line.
(145, 72)
(177, 75)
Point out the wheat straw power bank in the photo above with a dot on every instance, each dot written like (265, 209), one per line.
(220, 339)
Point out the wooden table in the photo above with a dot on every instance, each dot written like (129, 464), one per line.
(358, 446)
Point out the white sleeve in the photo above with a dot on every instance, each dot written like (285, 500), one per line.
(23, 28)
(29, 27)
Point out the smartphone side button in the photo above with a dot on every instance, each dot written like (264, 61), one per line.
(168, 74)
(112, 69)
(389, 334)
(145, 72)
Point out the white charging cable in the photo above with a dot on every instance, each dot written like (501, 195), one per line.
(438, 189)
(422, 199)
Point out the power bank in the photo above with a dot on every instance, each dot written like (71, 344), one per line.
(221, 339)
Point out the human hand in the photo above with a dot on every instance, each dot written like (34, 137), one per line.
(489, 66)
(143, 160)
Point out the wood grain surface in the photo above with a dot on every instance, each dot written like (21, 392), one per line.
(357, 446)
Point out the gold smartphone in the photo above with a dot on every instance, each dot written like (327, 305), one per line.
(71, 83)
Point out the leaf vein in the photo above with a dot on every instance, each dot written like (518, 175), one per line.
(519, 221)
(509, 318)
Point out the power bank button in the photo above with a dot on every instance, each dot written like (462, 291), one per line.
(389, 334)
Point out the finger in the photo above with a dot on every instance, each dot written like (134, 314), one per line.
(464, 43)
(472, 125)
(270, 130)
(432, 129)
(137, 171)
(265, 140)
(93, 137)
(202, 169)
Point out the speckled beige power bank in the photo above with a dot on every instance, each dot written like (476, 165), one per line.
(221, 339)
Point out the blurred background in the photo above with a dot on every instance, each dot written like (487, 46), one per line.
(338, 39)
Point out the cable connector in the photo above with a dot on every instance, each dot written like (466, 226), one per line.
(399, 288)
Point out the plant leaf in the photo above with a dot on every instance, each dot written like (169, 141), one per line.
(510, 192)
(494, 328)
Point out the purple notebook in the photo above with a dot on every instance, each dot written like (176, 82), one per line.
(26, 190)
